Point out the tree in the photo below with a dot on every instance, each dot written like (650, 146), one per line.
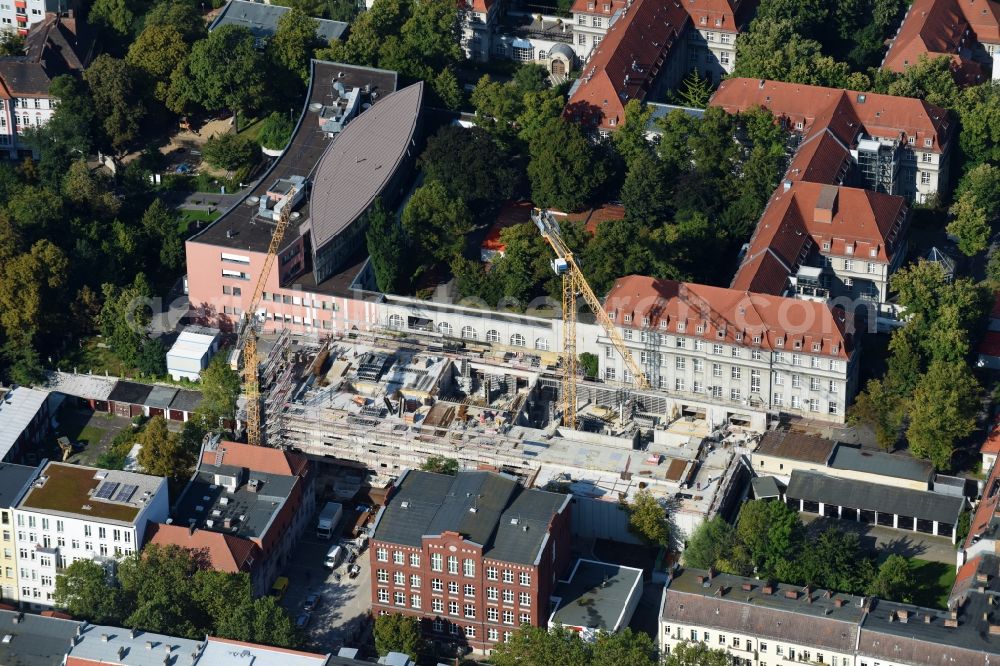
(564, 170)
(645, 194)
(440, 465)
(538, 645)
(696, 91)
(982, 184)
(86, 590)
(11, 44)
(157, 583)
(709, 544)
(770, 534)
(894, 580)
(386, 247)
(153, 359)
(696, 654)
(220, 388)
(398, 633)
(497, 107)
(880, 408)
(436, 221)
(231, 151)
(942, 411)
(836, 561)
(159, 224)
(590, 364)
(180, 15)
(630, 139)
(448, 89)
(648, 519)
(979, 109)
(531, 77)
(774, 50)
(970, 226)
(469, 165)
(114, 16)
(993, 269)
(124, 319)
(155, 54)
(226, 70)
(275, 131)
(634, 648)
(294, 43)
(68, 134)
(929, 79)
(118, 108)
(162, 453)
(30, 294)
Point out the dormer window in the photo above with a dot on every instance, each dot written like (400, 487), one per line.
(756, 339)
(721, 333)
(628, 319)
(704, 20)
(680, 327)
(798, 344)
(873, 252)
(663, 323)
(849, 249)
(700, 329)
(911, 140)
(645, 320)
(780, 342)
(928, 143)
(718, 22)
(817, 346)
(834, 349)
(739, 337)
(613, 314)
(826, 245)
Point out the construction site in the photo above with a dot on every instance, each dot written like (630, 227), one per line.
(384, 404)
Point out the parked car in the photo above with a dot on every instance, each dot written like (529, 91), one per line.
(354, 571)
(351, 556)
(302, 621)
(312, 602)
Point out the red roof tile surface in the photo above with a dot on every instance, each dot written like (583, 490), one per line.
(257, 458)
(811, 109)
(597, 7)
(990, 345)
(992, 443)
(844, 221)
(511, 214)
(987, 506)
(729, 316)
(226, 552)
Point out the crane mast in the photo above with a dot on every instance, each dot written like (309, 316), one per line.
(574, 283)
(247, 341)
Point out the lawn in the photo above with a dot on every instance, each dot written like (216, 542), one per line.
(187, 218)
(933, 582)
(91, 357)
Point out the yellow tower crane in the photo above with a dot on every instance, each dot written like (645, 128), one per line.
(573, 284)
(248, 326)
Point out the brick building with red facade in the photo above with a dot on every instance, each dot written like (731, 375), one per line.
(473, 555)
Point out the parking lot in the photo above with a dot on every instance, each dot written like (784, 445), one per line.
(342, 615)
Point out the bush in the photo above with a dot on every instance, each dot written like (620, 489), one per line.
(275, 131)
(231, 152)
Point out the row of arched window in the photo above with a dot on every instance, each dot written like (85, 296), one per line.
(470, 333)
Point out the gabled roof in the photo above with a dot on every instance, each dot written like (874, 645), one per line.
(226, 552)
(930, 27)
(57, 45)
(255, 458)
(786, 324)
(845, 112)
(984, 522)
(603, 7)
(262, 20)
(719, 15)
(626, 62)
(35, 640)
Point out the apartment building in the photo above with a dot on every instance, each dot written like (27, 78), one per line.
(14, 482)
(25, 421)
(965, 31)
(826, 242)
(247, 505)
(724, 347)
(895, 145)
(72, 512)
(473, 556)
(59, 44)
(761, 623)
(480, 19)
(20, 15)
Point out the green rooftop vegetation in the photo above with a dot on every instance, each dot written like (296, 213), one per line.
(67, 490)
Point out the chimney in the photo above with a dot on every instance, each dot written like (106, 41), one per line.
(133, 633)
(951, 623)
(838, 602)
(826, 204)
(149, 645)
(994, 629)
(121, 652)
(786, 185)
(700, 579)
(791, 594)
(982, 577)
(927, 618)
(904, 615)
(767, 589)
(747, 587)
(711, 573)
(104, 638)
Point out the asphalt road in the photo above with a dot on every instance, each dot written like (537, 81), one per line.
(343, 613)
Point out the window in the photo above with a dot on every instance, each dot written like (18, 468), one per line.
(399, 598)
(414, 559)
(395, 321)
(517, 340)
(414, 580)
(582, 39)
(437, 606)
(796, 402)
(832, 408)
(755, 381)
(452, 608)
(734, 372)
(470, 631)
(469, 590)
(524, 618)
(627, 333)
(525, 578)
(581, 19)
(928, 142)
(778, 400)
(398, 557)
(698, 364)
(492, 336)
(762, 646)
(848, 282)
(444, 328)
(926, 157)
(399, 578)
(508, 596)
(508, 618)
(609, 373)
(542, 344)
(492, 594)
(469, 611)
(814, 383)
(735, 351)
(437, 585)
(493, 634)
(716, 370)
(437, 562)
(716, 349)
(492, 614)
(734, 394)
(491, 573)
(415, 601)
(524, 599)
(833, 386)
(598, 22)
(468, 568)
(698, 387)
(796, 381)
(681, 343)
(452, 587)
(383, 595)
(438, 624)
(925, 178)
(381, 554)
(680, 362)
(716, 391)
(469, 333)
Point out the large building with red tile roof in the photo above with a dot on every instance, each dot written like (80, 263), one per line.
(822, 242)
(245, 505)
(896, 145)
(732, 351)
(647, 46)
(965, 31)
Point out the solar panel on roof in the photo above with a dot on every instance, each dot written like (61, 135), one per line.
(126, 492)
(106, 490)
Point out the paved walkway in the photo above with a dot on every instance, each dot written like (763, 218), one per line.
(892, 541)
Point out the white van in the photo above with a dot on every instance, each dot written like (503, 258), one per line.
(333, 557)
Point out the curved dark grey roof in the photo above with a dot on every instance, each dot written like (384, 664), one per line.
(361, 160)
(563, 49)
